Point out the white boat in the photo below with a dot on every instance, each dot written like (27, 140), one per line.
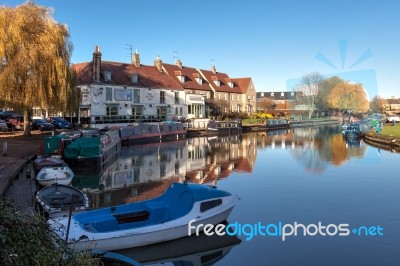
(58, 200)
(147, 222)
(60, 174)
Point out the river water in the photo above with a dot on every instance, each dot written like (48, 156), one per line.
(308, 176)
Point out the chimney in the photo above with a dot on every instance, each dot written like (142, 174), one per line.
(214, 69)
(179, 63)
(96, 64)
(158, 63)
(136, 59)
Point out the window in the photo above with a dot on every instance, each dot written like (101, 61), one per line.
(272, 94)
(237, 97)
(107, 75)
(134, 78)
(217, 82)
(181, 79)
(137, 111)
(207, 205)
(176, 111)
(181, 111)
(225, 96)
(230, 84)
(282, 94)
(111, 110)
(162, 96)
(108, 94)
(176, 97)
(136, 95)
(262, 94)
(199, 80)
(292, 93)
(232, 97)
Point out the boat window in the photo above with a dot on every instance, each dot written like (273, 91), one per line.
(210, 204)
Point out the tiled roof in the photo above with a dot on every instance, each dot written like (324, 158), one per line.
(84, 72)
(243, 83)
(190, 77)
(121, 74)
(222, 77)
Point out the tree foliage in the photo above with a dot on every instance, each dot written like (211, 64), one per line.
(377, 104)
(348, 96)
(266, 105)
(35, 55)
(307, 91)
(27, 240)
(325, 87)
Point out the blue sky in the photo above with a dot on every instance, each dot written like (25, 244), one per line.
(273, 42)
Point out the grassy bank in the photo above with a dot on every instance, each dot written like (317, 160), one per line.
(388, 130)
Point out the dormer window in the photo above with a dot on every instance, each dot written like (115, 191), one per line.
(107, 75)
(292, 93)
(272, 94)
(282, 94)
(199, 80)
(181, 79)
(230, 84)
(262, 94)
(217, 82)
(134, 78)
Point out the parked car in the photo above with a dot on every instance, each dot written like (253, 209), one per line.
(5, 114)
(3, 126)
(390, 119)
(15, 122)
(59, 122)
(42, 125)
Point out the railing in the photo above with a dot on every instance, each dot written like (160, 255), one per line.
(110, 119)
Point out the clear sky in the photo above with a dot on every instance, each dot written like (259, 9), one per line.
(273, 42)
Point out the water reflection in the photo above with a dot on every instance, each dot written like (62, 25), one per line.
(190, 251)
(146, 171)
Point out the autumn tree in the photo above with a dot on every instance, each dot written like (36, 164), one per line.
(266, 105)
(307, 91)
(325, 87)
(348, 96)
(377, 104)
(35, 66)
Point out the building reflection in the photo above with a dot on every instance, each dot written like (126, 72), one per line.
(146, 171)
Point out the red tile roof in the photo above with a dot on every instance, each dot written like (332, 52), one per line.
(121, 73)
(84, 72)
(222, 77)
(190, 77)
(243, 83)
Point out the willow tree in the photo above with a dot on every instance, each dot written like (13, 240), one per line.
(35, 68)
(348, 96)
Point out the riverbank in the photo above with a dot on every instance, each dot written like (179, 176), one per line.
(387, 142)
(16, 151)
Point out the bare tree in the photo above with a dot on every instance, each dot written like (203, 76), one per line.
(377, 104)
(307, 91)
(35, 60)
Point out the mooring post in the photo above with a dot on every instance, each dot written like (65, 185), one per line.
(5, 148)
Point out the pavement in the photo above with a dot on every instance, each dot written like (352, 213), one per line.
(16, 174)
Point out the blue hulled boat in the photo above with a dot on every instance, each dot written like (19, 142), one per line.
(147, 222)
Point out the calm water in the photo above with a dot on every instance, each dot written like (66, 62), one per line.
(306, 176)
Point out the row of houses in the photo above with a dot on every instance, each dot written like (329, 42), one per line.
(136, 92)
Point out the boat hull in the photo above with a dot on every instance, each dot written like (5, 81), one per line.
(61, 174)
(80, 239)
